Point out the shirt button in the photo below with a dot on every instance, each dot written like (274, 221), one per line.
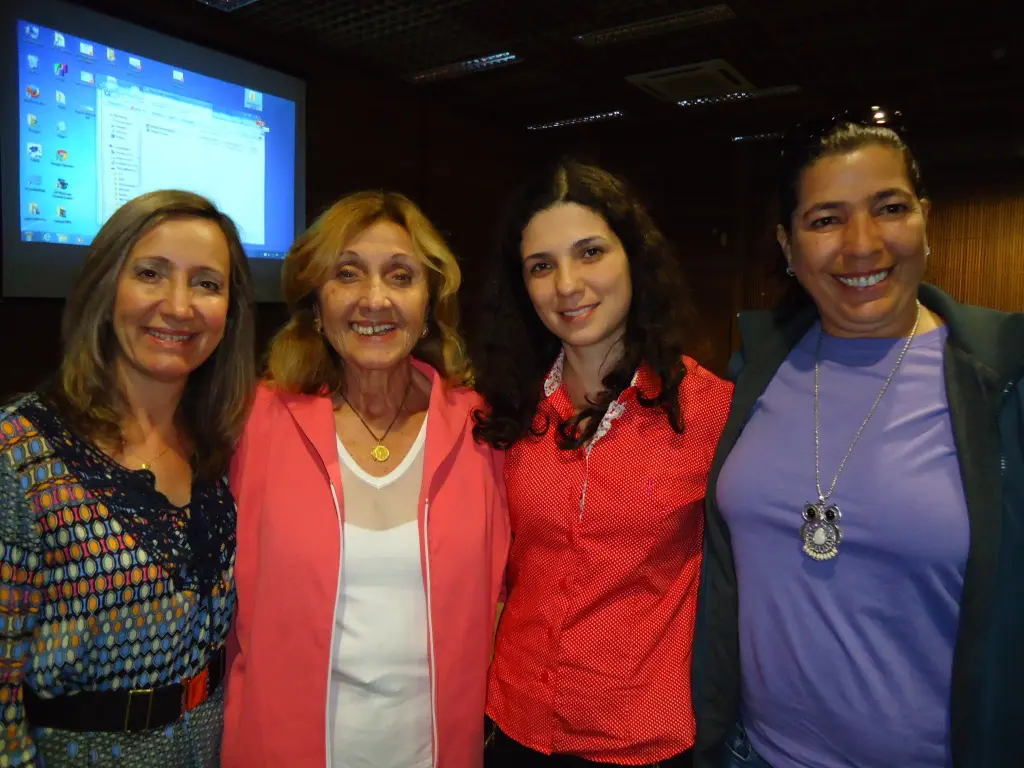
(544, 676)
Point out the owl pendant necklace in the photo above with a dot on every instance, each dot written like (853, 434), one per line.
(821, 533)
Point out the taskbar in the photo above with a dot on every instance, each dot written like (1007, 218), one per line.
(62, 238)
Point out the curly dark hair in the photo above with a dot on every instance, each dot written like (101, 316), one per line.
(512, 350)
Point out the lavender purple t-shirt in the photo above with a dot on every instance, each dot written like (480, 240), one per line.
(848, 662)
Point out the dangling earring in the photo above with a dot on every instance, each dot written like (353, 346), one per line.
(317, 323)
(425, 332)
(927, 251)
(789, 271)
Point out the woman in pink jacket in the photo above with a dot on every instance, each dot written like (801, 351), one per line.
(372, 529)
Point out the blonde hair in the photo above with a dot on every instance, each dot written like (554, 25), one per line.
(300, 359)
(217, 395)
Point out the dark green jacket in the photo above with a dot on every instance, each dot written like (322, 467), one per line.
(984, 366)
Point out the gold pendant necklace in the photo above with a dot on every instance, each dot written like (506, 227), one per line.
(380, 453)
(146, 465)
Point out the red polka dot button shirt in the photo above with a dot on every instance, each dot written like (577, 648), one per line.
(592, 656)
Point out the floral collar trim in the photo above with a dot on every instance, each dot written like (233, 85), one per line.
(615, 410)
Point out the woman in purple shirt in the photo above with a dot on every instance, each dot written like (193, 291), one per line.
(863, 593)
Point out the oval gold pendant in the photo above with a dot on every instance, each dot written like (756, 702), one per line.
(380, 453)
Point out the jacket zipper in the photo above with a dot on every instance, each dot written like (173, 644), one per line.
(334, 623)
(1002, 448)
(430, 637)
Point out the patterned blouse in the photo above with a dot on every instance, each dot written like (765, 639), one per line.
(104, 585)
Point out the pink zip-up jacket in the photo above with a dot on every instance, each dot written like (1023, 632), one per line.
(287, 484)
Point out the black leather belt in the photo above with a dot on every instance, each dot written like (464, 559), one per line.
(125, 710)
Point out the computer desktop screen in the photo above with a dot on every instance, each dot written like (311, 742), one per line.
(103, 118)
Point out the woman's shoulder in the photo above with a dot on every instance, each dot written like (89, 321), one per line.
(271, 399)
(700, 381)
(460, 396)
(704, 400)
(17, 421)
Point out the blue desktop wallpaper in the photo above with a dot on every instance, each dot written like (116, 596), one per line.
(60, 78)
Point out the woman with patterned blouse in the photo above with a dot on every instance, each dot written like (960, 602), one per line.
(116, 526)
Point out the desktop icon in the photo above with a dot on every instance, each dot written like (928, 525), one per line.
(27, 235)
(47, 236)
(79, 240)
(86, 49)
(32, 31)
(88, 78)
(62, 184)
(35, 181)
(58, 40)
(62, 127)
(111, 54)
(178, 75)
(32, 120)
(33, 209)
(134, 62)
(61, 237)
(62, 100)
(253, 99)
(62, 212)
(62, 155)
(32, 91)
(60, 70)
(33, 62)
(35, 151)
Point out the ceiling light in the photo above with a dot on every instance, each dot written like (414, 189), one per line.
(726, 98)
(466, 67)
(685, 20)
(879, 115)
(758, 137)
(574, 121)
(227, 5)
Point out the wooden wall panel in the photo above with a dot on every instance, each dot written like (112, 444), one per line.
(977, 241)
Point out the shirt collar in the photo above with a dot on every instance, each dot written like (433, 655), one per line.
(644, 379)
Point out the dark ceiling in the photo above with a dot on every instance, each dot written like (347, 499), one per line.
(939, 62)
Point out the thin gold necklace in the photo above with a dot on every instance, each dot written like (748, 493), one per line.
(380, 453)
(146, 464)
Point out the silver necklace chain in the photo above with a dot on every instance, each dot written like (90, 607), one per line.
(822, 497)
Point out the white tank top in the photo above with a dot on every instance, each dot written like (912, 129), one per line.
(380, 703)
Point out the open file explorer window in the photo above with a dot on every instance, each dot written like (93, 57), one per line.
(148, 140)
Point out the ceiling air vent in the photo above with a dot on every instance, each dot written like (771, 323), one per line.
(460, 68)
(227, 5)
(716, 77)
(696, 17)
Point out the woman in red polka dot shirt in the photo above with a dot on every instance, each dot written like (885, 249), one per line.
(610, 431)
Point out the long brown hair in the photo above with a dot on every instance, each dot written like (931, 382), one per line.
(86, 389)
(300, 359)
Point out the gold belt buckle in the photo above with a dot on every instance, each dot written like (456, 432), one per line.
(149, 706)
